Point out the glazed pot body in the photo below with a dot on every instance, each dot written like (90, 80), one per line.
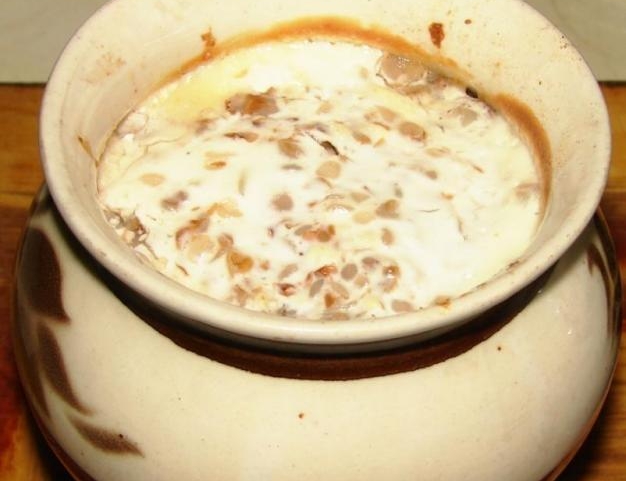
(135, 377)
(123, 394)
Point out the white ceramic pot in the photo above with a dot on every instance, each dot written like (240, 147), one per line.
(122, 391)
(132, 376)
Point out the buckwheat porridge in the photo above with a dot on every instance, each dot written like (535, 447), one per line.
(321, 178)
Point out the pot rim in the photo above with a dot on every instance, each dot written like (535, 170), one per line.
(199, 310)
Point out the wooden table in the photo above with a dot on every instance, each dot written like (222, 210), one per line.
(23, 454)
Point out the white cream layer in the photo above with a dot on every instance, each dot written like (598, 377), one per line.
(322, 180)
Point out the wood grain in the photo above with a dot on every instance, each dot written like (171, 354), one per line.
(23, 454)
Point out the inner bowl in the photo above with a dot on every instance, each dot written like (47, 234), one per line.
(501, 48)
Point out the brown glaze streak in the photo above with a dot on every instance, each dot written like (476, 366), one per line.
(53, 366)
(531, 130)
(105, 440)
(595, 261)
(610, 272)
(40, 276)
(437, 34)
(333, 367)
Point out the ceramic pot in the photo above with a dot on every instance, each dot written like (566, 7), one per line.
(133, 376)
(122, 391)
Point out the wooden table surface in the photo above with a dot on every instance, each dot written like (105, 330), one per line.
(23, 454)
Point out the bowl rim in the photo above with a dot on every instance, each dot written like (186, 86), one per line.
(201, 311)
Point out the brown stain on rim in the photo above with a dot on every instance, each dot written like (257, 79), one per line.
(437, 33)
(9, 414)
(323, 27)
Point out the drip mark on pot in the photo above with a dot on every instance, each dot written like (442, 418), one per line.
(106, 440)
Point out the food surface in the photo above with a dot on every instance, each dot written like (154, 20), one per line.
(321, 179)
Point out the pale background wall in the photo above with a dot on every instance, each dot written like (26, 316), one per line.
(33, 32)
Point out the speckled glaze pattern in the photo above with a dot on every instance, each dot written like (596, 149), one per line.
(122, 393)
